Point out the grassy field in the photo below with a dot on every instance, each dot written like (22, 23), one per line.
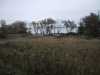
(68, 56)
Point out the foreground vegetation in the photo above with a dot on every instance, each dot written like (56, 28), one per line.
(69, 56)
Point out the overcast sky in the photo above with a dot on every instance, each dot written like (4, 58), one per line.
(29, 10)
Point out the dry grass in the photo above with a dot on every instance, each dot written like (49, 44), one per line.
(49, 56)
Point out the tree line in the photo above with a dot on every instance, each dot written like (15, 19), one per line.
(88, 26)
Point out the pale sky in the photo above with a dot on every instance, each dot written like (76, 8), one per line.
(28, 10)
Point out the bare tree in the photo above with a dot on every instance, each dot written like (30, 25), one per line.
(35, 26)
(42, 26)
(70, 25)
(50, 22)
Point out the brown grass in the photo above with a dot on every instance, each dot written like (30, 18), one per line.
(49, 56)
